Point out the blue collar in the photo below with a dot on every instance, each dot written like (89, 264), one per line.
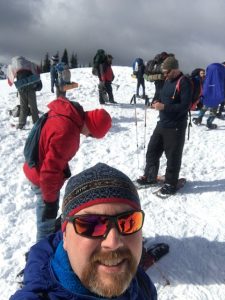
(64, 273)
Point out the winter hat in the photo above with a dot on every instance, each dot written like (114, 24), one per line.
(170, 63)
(98, 184)
(98, 122)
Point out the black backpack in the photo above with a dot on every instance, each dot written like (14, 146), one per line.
(32, 143)
(99, 58)
(154, 66)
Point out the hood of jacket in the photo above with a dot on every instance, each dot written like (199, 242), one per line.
(67, 108)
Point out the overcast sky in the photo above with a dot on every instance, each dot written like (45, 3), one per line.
(191, 29)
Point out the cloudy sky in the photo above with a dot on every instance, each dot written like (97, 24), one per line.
(193, 30)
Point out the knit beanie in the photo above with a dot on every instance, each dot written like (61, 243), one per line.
(98, 122)
(170, 63)
(98, 184)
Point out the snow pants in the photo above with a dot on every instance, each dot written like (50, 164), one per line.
(28, 103)
(168, 140)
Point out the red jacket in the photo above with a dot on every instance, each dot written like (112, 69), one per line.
(59, 142)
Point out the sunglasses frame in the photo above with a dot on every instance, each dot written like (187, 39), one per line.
(112, 219)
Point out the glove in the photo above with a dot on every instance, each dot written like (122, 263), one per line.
(52, 89)
(50, 210)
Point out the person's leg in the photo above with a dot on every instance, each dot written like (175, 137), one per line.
(24, 109)
(32, 100)
(154, 152)
(109, 91)
(43, 228)
(174, 139)
(143, 86)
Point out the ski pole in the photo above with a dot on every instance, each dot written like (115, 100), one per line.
(135, 115)
(116, 85)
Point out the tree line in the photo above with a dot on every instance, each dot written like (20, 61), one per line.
(72, 62)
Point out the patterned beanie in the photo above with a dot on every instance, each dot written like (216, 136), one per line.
(98, 184)
(98, 122)
(170, 63)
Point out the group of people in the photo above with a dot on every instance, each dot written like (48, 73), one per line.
(96, 251)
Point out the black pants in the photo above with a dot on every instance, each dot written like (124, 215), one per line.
(105, 88)
(170, 140)
(140, 82)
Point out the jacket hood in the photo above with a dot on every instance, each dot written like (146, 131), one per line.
(69, 109)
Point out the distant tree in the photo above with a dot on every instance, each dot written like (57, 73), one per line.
(73, 61)
(65, 57)
(41, 66)
(46, 64)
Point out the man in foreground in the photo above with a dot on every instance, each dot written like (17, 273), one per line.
(98, 251)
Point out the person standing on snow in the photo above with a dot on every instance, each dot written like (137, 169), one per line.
(24, 70)
(59, 141)
(169, 134)
(97, 252)
(106, 77)
(55, 80)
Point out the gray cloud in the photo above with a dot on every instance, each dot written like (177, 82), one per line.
(193, 30)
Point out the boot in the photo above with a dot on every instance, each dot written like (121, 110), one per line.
(197, 121)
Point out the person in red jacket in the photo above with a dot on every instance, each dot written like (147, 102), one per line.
(106, 77)
(58, 144)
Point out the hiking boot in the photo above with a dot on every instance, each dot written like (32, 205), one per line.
(197, 121)
(144, 181)
(19, 126)
(168, 189)
(211, 126)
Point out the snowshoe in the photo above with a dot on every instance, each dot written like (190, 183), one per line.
(211, 126)
(197, 121)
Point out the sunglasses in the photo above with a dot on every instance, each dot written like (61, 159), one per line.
(98, 226)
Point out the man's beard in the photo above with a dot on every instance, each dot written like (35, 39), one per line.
(118, 282)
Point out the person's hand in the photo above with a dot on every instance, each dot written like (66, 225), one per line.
(52, 90)
(158, 105)
(50, 210)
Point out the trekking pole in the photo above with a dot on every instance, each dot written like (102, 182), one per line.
(135, 115)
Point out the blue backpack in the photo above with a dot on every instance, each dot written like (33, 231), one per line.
(138, 62)
(32, 143)
(214, 85)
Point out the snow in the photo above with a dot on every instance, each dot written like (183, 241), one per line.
(192, 222)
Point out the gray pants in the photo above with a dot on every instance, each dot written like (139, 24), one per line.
(27, 99)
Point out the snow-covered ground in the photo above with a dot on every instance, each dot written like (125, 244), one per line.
(191, 222)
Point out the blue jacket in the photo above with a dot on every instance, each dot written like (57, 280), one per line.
(40, 282)
(177, 102)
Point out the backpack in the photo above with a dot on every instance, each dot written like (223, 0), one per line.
(137, 65)
(99, 58)
(214, 85)
(154, 66)
(196, 87)
(63, 73)
(32, 142)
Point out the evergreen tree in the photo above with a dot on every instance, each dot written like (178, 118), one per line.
(73, 61)
(65, 57)
(46, 64)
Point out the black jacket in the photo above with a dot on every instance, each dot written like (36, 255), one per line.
(177, 102)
